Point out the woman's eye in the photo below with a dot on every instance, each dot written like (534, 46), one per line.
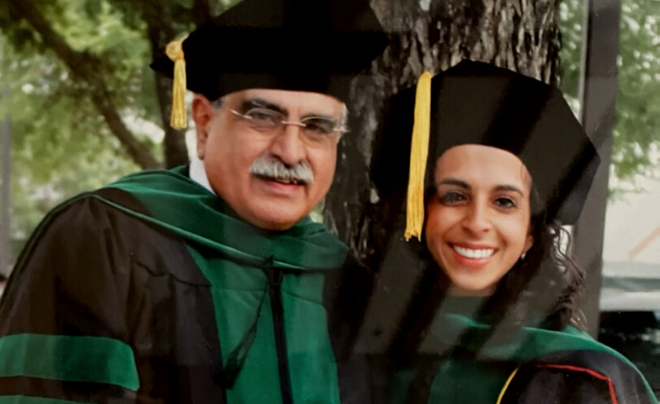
(451, 197)
(505, 203)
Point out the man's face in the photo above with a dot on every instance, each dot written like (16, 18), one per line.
(271, 177)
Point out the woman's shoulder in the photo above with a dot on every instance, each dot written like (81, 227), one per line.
(577, 369)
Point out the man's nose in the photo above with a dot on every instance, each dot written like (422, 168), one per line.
(288, 145)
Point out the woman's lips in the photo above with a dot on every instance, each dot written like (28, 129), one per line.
(473, 256)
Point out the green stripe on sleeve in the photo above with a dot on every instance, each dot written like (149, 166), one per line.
(68, 358)
(34, 400)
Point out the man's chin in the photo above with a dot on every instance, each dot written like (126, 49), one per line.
(276, 219)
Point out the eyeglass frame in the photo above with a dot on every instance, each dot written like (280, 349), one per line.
(341, 130)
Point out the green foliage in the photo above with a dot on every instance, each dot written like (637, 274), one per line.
(572, 32)
(637, 131)
(60, 145)
(55, 153)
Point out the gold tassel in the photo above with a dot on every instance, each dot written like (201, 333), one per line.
(178, 118)
(419, 151)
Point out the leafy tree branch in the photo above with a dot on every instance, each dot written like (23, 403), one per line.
(86, 68)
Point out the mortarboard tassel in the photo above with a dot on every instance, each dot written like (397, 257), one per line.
(419, 151)
(178, 118)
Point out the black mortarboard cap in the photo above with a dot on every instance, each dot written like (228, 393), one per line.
(298, 45)
(477, 103)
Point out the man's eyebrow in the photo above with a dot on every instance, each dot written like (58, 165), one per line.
(250, 103)
(320, 116)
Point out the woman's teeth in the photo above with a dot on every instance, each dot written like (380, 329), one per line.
(474, 254)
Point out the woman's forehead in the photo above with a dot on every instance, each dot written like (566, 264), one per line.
(482, 164)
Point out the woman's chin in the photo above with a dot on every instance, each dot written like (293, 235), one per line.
(471, 289)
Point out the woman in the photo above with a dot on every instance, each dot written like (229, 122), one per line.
(494, 317)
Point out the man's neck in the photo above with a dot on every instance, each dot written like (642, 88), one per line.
(198, 174)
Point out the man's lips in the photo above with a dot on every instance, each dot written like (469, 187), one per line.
(282, 180)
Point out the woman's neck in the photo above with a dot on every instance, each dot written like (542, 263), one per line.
(460, 292)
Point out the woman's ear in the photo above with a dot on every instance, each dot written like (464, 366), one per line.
(529, 242)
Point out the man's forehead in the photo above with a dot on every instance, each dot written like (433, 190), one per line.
(285, 99)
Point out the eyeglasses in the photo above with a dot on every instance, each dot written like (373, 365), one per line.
(315, 128)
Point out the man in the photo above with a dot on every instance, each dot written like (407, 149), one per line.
(208, 284)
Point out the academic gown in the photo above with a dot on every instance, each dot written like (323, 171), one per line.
(152, 290)
(467, 360)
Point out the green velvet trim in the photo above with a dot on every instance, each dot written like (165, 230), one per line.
(34, 400)
(179, 204)
(67, 358)
(244, 321)
(524, 345)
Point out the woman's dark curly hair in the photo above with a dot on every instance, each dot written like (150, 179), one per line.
(544, 288)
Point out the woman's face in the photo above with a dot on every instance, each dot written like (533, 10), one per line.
(478, 222)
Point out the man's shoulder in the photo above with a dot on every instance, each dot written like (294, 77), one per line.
(92, 227)
(104, 223)
(91, 209)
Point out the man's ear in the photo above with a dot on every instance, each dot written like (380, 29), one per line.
(202, 113)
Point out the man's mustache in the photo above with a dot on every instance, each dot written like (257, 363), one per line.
(276, 169)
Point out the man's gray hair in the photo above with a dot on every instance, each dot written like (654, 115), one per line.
(343, 120)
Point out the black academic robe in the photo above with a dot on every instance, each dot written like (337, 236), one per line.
(104, 306)
(462, 360)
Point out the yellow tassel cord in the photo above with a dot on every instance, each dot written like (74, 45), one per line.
(506, 385)
(419, 151)
(178, 118)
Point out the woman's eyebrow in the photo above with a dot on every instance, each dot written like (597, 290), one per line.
(455, 182)
(462, 184)
(510, 188)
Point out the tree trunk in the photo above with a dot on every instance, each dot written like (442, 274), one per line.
(432, 35)
(205, 10)
(158, 16)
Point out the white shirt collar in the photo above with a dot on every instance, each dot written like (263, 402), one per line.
(198, 174)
